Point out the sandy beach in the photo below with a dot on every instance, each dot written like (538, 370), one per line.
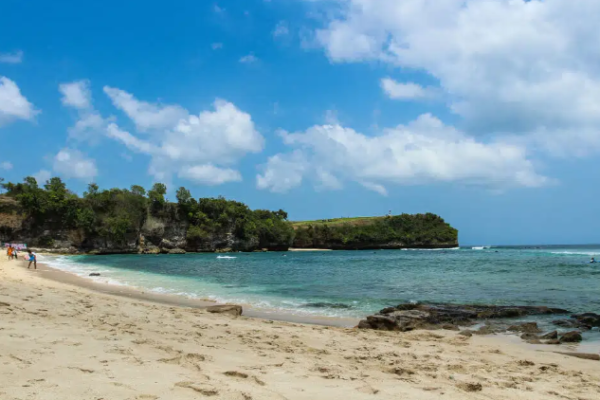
(60, 341)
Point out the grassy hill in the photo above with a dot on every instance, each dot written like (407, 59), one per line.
(387, 232)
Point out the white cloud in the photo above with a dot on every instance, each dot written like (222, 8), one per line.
(76, 94)
(248, 59)
(11, 58)
(72, 163)
(7, 166)
(281, 29)
(425, 151)
(146, 116)
(195, 146)
(13, 105)
(406, 91)
(42, 176)
(90, 125)
(283, 172)
(505, 66)
(208, 174)
(216, 46)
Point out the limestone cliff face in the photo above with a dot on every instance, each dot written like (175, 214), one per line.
(155, 236)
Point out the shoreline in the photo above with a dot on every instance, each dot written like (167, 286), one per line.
(60, 341)
(250, 311)
(57, 275)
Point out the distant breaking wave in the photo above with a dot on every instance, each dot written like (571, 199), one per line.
(481, 247)
(226, 257)
(577, 253)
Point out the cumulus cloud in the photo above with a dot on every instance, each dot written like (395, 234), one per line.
(42, 176)
(146, 116)
(13, 105)
(424, 151)
(90, 125)
(283, 172)
(406, 91)
(71, 163)
(196, 147)
(76, 94)
(505, 66)
(208, 174)
(11, 58)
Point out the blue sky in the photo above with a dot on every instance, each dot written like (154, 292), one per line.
(487, 113)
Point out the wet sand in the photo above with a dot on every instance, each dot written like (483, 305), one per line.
(59, 341)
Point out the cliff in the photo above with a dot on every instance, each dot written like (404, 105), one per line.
(132, 221)
(389, 232)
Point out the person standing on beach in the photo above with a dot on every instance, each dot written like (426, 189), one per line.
(9, 252)
(32, 259)
(15, 254)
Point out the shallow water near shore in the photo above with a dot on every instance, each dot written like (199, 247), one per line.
(357, 283)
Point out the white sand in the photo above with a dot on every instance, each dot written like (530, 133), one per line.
(61, 342)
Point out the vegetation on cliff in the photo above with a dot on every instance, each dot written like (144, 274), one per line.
(133, 220)
(420, 230)
(117, 217)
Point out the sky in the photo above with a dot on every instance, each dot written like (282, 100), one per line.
(486, 112)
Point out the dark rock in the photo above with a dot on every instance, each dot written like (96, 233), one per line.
(449, 316)
(531, 338)
(571, 337)
(230, 309)
(95, 274)
(527, 327)
(552, 341)
(466, 333)
(587, 319)
(550, 335)
(485, 330)
(450, 327)
(379, 322)
(3, 304)
(571, 323)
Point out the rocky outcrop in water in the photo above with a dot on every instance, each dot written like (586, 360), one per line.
(407, 317)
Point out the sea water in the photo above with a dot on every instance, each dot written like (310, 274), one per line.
(358, 283)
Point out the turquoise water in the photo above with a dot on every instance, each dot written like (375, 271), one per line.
(357, 283)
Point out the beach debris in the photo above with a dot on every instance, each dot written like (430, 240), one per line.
(470, 387)
(571, 337)
(467, 333)
(236, 374)
(229, 309)
(585, 356)
(95, 274)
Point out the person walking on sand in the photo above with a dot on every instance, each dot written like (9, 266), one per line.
(15, 254)
(9, 252)
(32, 259)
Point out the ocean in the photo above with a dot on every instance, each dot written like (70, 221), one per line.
(358, 283)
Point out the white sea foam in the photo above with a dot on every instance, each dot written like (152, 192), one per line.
(578, 253)
(481, 247)
(226, 257)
